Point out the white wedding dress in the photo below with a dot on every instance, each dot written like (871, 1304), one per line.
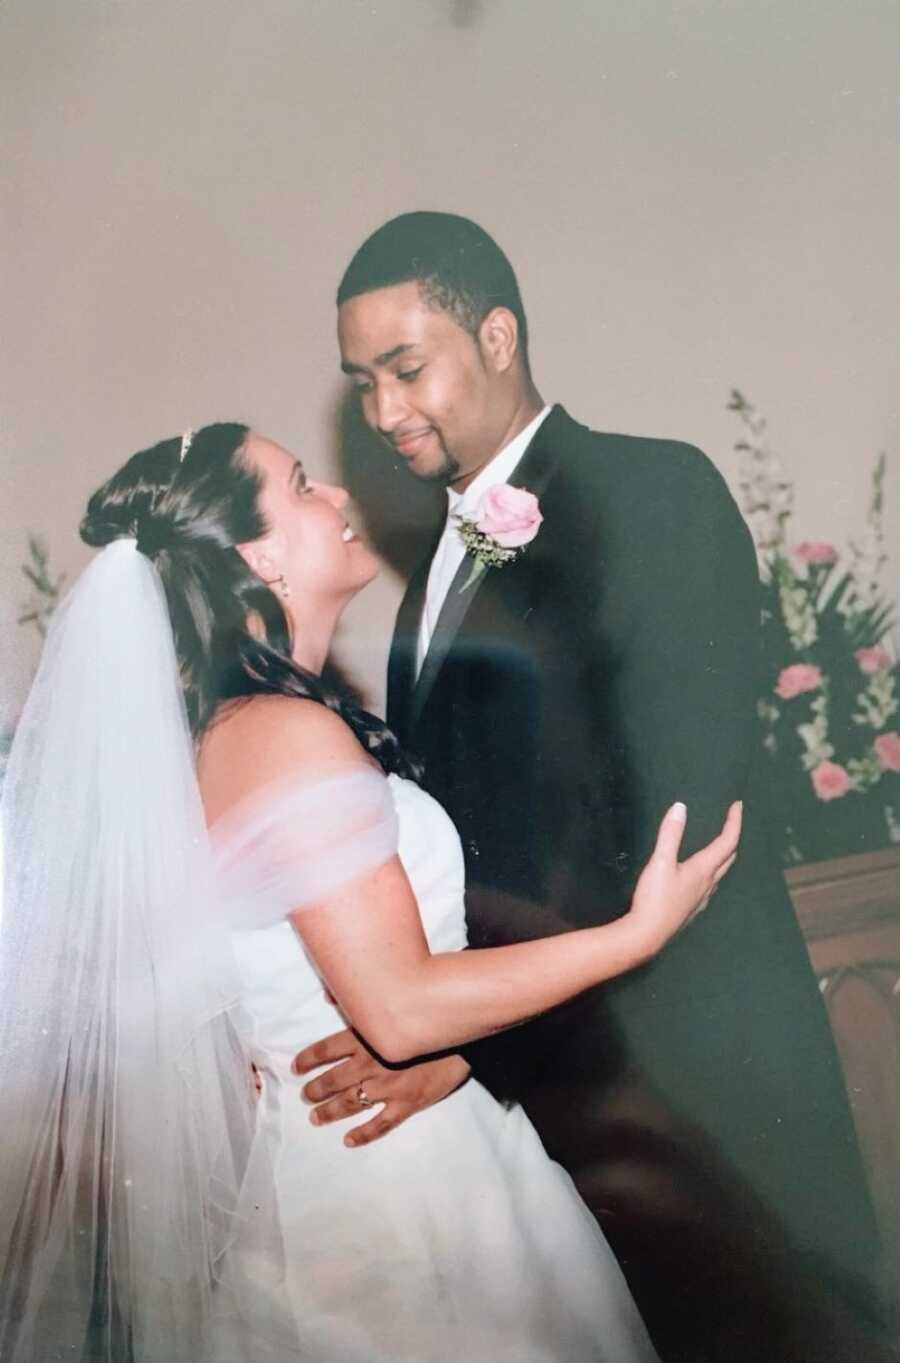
(454, 1239)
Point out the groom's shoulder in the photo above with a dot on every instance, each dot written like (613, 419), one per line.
(626, 463)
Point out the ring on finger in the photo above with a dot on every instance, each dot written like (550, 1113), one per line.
(362, 1097)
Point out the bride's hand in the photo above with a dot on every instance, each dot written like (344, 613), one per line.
(670, 893)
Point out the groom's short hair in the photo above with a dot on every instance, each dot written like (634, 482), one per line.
(457, 265)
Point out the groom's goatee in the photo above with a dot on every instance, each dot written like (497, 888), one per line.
(445, 474)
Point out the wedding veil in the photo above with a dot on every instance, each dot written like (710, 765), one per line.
(127, 1103)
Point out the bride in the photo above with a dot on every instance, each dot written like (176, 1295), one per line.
(159, 943)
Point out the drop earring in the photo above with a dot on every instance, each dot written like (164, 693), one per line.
(279, 582)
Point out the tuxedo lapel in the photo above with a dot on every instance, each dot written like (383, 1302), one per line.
(534, 471)
(402, 661)
(456, 604)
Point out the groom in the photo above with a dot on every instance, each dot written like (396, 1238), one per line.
(560, 702)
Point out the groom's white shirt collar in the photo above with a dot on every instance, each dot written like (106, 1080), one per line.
(450, 551)
(498, 470)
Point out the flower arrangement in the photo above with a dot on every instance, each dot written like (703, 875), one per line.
(829, 686)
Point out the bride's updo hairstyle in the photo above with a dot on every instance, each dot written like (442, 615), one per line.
(187, 515)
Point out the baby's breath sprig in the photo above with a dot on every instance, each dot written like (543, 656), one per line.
(483, 549)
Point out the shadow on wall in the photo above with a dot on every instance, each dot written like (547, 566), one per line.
(401, 514)
(465, 13)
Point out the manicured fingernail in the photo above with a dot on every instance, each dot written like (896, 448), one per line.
(679, 811)
(349, 1140)
(314, 1117)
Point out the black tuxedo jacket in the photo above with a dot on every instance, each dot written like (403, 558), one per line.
(567, 699)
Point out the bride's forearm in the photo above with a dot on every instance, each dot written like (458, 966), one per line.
(370, 948)
(454, 997)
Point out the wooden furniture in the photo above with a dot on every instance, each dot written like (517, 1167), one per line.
(849, 910)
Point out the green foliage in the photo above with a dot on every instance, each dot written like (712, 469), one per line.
(46, 587)
(45, 593)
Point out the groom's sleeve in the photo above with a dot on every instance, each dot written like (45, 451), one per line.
(686, 651)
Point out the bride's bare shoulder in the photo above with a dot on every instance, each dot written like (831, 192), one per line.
(284, 721)
(265, 739)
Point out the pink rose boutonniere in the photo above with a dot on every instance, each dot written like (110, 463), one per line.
(505, 521)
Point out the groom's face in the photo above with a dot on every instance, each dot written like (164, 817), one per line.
(423, 381)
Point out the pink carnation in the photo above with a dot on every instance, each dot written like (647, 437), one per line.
(872, 659)
(510, 515)
(887, 750)
(830, 780)
(796, 679)
(816, 551)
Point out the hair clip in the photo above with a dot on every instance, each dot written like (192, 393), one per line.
(186, 440)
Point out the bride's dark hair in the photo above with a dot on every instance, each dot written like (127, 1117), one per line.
(188, 515)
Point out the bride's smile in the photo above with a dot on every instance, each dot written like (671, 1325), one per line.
(310, 554)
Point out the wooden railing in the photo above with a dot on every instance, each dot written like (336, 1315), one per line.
(849, 910)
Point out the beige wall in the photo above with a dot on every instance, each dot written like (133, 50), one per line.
(696, 195)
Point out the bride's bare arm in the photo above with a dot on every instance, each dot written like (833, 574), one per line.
(367, 940)
(369, 947)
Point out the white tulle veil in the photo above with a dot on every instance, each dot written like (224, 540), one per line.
(126, 1147)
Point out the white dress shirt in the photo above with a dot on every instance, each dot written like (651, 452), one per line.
(450, 551)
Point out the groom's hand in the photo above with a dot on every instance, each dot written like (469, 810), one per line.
(356, 1081)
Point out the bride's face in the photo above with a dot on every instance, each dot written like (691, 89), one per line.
(310, 543)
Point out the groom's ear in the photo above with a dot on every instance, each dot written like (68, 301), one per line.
(498, 337)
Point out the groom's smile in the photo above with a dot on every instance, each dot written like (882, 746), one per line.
(409, 443)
